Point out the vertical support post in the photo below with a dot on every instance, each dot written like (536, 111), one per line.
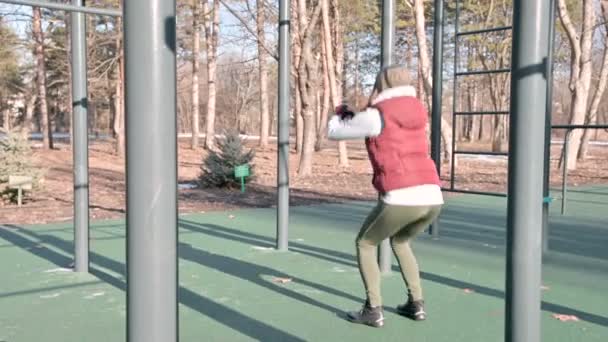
(566, 150)
(548, 116)
(454, 97)
(283, 129)
(524, 213)
(149, 29)
(80, 144)
(388, 42)
(437, 93)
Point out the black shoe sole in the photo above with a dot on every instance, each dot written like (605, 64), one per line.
(371, 324)
(417, 318)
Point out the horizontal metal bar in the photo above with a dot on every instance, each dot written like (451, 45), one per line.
(481, 153)
(483, 112)
(65, 7)
(482, 72)
(579, 127)
(473, 192)
(494, 29)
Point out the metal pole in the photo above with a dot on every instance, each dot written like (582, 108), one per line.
(81, 140)
(454, 97)
(524, 213)
(149, 31)
(549, 106)
(66, 7)
(437, 93)
(283, 129)
(388, 39)
(565, 170)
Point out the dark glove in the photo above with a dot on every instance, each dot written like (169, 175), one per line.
(344, 112)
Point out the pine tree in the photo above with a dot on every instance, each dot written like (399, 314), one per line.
(218, 167)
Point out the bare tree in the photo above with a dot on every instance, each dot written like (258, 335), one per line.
(47, 138)
(69, 98)
(498, 88)
(239, 81)
(325, 98)
(196, 57)
(6, 120)
(425, 65)
(306, 74)
(332, 70)
(212, 26)
(337, 34)
(263, 71)
(329, 57)
(119, 103)
(296, 51)
(581, 69)
(592, 116)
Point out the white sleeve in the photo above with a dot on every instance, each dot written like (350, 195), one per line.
(367, 123)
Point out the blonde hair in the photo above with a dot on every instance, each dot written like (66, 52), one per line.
(391, 76)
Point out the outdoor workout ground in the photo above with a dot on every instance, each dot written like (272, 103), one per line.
(233, 287)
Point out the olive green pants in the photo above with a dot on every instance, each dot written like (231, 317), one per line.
(401, 224)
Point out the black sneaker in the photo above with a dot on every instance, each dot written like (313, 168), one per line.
(413, 309)
(372, 316)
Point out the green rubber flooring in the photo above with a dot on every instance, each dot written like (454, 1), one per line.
(228, 291)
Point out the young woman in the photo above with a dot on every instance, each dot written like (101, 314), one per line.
(410, 198)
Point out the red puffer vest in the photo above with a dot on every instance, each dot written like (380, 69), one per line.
(400, 154)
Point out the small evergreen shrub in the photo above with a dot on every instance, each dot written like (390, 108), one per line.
(217, 170)
(15, 160)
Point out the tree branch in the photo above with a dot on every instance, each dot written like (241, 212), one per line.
(249, 29)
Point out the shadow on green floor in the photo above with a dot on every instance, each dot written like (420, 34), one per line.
(35, 243)
(31, 241)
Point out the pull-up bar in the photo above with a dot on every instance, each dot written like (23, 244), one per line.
(66, 7)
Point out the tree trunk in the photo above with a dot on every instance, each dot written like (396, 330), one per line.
(196, 62)
(45, 122)
(581, 71)
(322, 131)
(263, 69)
(423, 52)
(306, 73)
(69, 99)
(474, 121)
(118, 119)
(212, 23)
(6, 121)
(592, 117)
(497, 134)
(296, 53)
(480, 132)
(424, 60)
(328, 48)
(469, 119)
(119, 108)
(336, 36)
(119, 124)
(356, 76)
(420, 91)
(29, 112)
